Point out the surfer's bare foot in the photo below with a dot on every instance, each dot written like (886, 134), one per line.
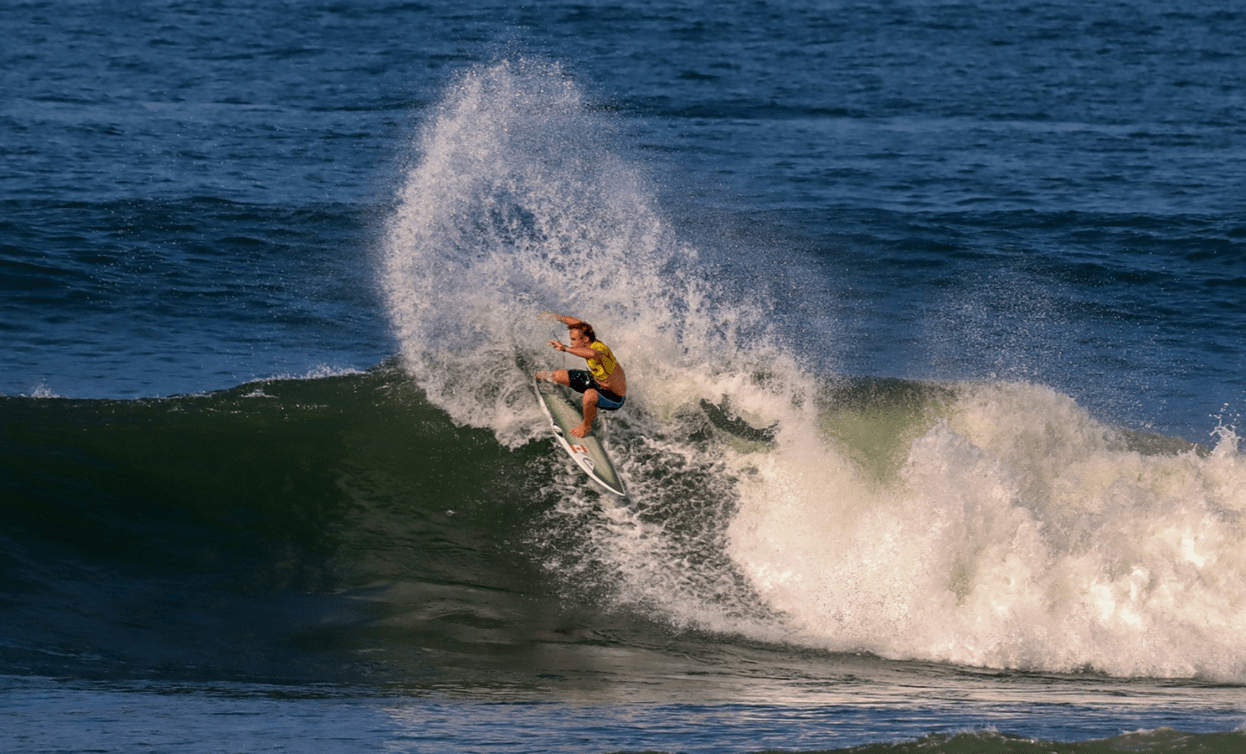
(581, 431)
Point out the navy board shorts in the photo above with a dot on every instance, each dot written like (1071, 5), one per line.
(582, 379)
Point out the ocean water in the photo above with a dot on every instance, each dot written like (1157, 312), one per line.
(932, 314)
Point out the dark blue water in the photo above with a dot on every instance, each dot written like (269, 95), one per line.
(270, 278)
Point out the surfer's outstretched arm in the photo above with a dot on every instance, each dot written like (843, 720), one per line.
(568, 321)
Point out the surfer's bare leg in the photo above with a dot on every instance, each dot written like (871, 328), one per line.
(590, 400)
(590, 413)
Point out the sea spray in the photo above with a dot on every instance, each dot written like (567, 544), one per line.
(520, 201)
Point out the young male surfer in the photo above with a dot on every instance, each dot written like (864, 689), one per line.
(603, 384)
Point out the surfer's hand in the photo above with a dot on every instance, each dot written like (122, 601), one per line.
(557, 344)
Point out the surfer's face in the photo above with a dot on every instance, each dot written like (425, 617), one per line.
(579, 339)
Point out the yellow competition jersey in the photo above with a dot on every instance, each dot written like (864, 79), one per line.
(605, 364)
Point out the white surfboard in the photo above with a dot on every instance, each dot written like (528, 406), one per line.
(585, 451)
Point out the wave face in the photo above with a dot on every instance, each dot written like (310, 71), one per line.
(274, 531)
(994, 524)
(344, 528)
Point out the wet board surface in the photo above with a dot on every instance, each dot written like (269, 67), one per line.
(587, 452)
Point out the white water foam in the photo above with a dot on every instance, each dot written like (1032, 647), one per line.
(1021, 533)
(1017, 531)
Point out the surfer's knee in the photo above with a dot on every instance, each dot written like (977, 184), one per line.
(590, 397)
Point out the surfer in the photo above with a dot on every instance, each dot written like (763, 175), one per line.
(603, 384)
